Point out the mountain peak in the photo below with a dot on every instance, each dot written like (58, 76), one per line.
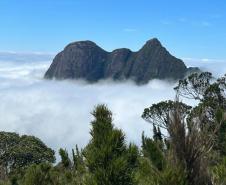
(153, 42)
(82, 44)
(86, 60)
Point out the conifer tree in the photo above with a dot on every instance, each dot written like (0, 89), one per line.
(64, 158)
(108, 158)
(153, 151)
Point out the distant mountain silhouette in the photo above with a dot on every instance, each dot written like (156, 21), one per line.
(86, 60)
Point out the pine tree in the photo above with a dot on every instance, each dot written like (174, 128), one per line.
(64, 158)
(77, 158)
(151, 149)
(108, 158)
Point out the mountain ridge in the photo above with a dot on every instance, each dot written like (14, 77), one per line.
(86, 60)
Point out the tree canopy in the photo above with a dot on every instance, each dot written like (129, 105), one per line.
(17, 152)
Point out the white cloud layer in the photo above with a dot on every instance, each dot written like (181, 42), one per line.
(215, 66)
(59, 112)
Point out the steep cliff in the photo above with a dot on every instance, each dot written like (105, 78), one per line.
(86, 60)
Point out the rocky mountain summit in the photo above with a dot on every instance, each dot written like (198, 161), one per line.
(86, 60)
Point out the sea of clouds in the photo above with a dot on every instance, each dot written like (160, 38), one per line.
(58, 112)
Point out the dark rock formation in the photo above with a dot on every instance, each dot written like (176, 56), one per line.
(86, 60)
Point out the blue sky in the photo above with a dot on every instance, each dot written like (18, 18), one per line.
(188, 28)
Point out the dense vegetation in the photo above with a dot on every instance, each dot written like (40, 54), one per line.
(188, 146)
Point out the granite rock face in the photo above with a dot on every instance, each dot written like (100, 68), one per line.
(86, 60)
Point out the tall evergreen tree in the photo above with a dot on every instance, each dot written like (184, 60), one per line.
(65, 161)
(152, 149)
(108, 158)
